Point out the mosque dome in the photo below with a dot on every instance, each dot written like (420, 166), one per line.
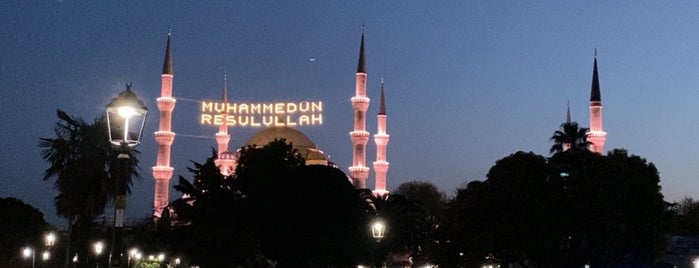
(298, 140)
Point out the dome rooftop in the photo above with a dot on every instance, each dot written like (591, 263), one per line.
(297, 139)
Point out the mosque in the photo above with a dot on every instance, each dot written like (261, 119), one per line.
(227, 160)
(359, 136)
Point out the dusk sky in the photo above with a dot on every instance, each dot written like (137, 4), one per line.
(466, 82)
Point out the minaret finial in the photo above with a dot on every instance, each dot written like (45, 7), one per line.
(169, 31)
(595, 52)
(225, 86)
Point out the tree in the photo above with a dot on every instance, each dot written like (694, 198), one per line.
(511, 204)
(685, 219)
(22, 225)
(85, 166)
(573, 209)
(408, 226)
(314, 219)
(211, 215)
(433, 202)
(570, 136)
(618, 217)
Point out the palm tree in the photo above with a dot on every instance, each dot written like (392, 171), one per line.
(570, 136)
(85, 166)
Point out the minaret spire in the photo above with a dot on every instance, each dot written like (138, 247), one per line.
(162, 171)
(359, 172)
(381, 139)
(167, 64)
(568, 114)
(361, 65)
(596, 134)
(595, 89)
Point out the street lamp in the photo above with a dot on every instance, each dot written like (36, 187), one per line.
(28, 252)
(45, 256)
(132, 254)
(50, 239)
(126, 116)
(98, 247)
(378, 229)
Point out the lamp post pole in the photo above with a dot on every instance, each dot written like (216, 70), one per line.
(126, 116)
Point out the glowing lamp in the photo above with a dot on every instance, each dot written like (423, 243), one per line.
(378, 229)
(50, 239)
(126, 116)
(98, 247)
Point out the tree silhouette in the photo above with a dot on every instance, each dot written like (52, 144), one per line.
(570, 136)
(85, 166)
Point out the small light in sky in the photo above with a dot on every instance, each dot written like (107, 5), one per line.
(312, 59)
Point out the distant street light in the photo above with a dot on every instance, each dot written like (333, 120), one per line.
(46, 255)
(126, 116)
(28, 252)
(132, 254)
(98, 247)
(50, 239)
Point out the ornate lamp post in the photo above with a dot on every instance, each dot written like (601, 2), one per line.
(126, 116)
(378, 231)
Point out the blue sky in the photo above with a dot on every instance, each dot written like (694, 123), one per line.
(467, 82)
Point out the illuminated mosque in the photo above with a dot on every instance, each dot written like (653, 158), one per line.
(359, 136)
(227, 160)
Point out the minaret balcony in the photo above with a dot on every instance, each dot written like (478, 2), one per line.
(162, 172)
(166, 103)
(381, 166)
(360, 103)
(164, 137)
(359, 136)
(359, 172)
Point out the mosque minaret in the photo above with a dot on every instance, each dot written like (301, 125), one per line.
(596, 134)
(162, 171)
(381, 139)
(225, 160)
(359, 172)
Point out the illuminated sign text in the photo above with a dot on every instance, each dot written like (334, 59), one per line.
(303, 113)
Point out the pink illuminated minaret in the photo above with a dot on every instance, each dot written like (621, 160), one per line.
(225, 161)
(162, 171)
(596, 135)
(359, 172)
(381, 140)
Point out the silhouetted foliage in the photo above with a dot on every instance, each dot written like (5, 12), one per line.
(211, 217)
(22, 225)
(569, 136)
(685, 219)
(573, 209)
(314, 220)
(86, 169)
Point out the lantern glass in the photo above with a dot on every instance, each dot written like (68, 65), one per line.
(378, 229)
(126, 116)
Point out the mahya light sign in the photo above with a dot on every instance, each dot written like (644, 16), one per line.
(304, 113)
